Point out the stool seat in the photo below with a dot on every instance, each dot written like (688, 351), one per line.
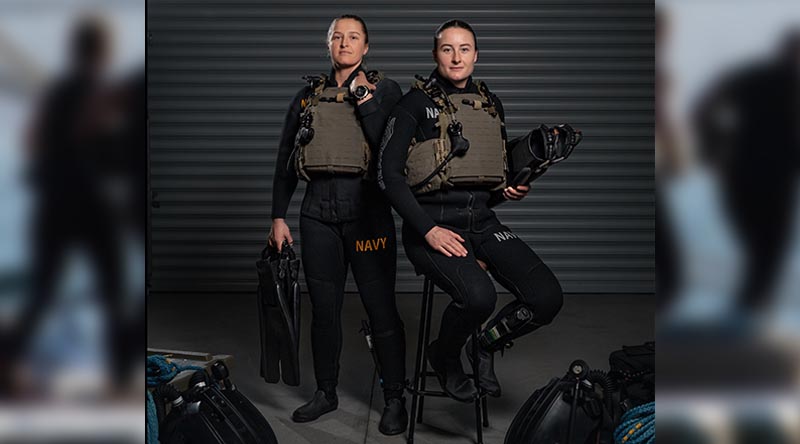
(417, 387)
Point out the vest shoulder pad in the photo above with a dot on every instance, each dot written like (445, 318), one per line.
(316, 83)
(433, 92)
(486, 95)
(482, 88)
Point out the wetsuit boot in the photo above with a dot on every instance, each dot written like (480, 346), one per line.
(487, 378)
(395, 417)
(324, 401)
(451, 375)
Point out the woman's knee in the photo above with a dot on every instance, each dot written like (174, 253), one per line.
(546, 296)
(480, 299)
(385, 321)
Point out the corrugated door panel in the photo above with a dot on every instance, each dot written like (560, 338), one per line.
(221, 74)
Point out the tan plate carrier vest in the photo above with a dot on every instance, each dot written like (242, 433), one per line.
(338, 145)
(484, 164)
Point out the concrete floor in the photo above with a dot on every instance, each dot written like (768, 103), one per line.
(589, 327)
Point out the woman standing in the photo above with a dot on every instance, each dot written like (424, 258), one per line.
(331, 132)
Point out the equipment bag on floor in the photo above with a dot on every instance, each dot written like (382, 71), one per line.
(211, 411)
(633, 370)
(568, 410)
(279, 314)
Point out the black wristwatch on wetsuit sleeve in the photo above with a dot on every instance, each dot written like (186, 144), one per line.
(361, 92)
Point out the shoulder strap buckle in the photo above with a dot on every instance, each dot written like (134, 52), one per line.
(487, 97)
(374, 76)
(317, 85)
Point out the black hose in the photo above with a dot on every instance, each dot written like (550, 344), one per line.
(198, 377)
(436, 171)
(607, 383)
(602, 378)
(158, 400)
(162, 394)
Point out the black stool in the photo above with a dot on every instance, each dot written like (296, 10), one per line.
(421, 373)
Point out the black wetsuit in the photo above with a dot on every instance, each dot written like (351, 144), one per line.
(346, 220)
(467, 212)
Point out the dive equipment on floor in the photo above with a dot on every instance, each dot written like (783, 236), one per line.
(633, 369)
(568, 410)
(211, 411)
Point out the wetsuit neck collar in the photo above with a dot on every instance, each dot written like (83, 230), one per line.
(332, 76)
(449, 88)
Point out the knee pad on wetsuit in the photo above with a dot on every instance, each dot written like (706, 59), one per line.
(500, 330)
(477, 293)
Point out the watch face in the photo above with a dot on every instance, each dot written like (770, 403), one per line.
(361, 92)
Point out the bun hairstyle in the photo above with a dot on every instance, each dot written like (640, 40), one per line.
(353, 17)
(455, 23)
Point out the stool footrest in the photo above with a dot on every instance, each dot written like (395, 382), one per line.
(437, 393)
(431, 374)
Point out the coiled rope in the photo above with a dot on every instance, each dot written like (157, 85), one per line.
(638, 425)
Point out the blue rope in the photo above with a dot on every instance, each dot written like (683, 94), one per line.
(159, 371)
(638, 426)
(151, 420)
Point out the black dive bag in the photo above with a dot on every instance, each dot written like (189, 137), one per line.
(633, 369)
(568, 410)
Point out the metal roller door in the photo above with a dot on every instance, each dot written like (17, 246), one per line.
(221, 74)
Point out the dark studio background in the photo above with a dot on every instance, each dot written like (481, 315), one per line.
(220, 78)
(221, 74)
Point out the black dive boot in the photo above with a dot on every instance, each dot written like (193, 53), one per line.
(451, 375)
(486, 377)
(395, 417)
(319, 405)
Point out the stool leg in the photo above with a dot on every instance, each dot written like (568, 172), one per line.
(419, 372)
(412, 424)
(479, 412)
(478, 424)
(427, 303)
(485, 412)
(484, 408)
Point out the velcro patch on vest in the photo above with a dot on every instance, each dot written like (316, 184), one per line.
(371, 244)
(504, 235)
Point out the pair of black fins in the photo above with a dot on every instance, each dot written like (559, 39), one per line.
(279, 314)
(532, 154)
